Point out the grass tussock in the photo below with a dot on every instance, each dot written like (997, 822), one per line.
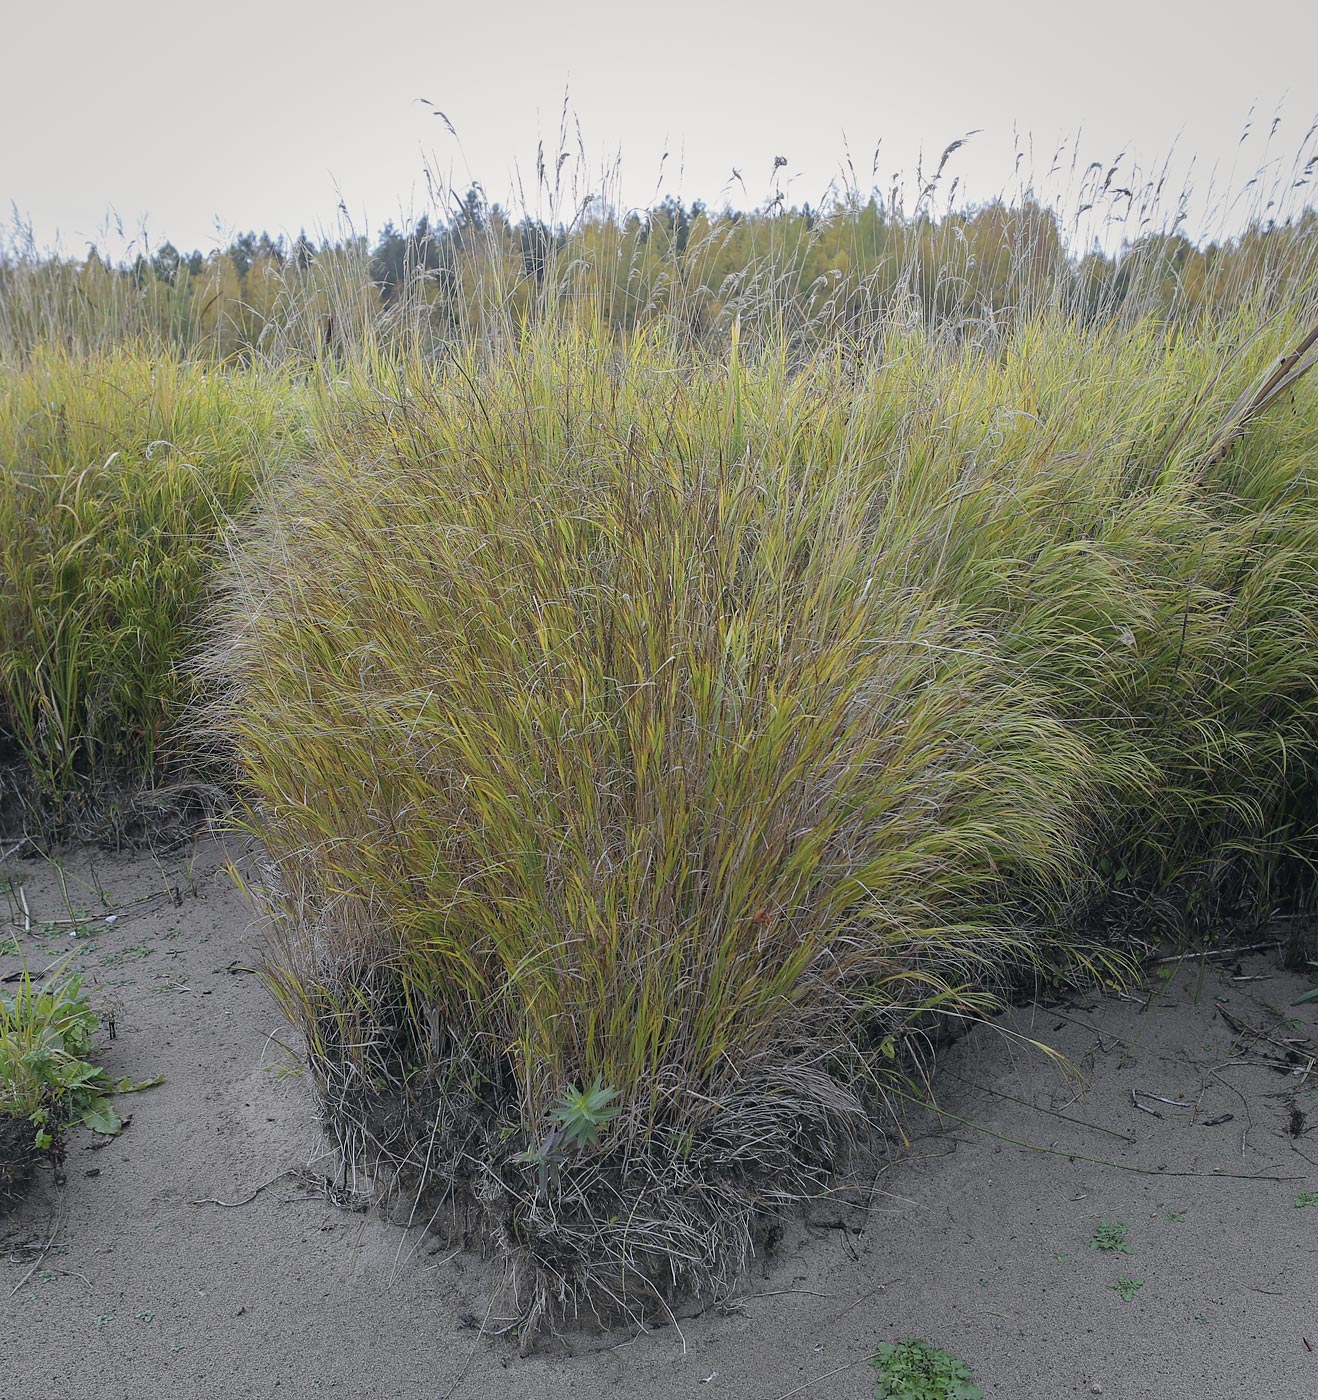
(700, 727)
(1071, 491)
(118, 476)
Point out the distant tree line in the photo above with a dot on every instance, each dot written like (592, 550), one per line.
(840, 270)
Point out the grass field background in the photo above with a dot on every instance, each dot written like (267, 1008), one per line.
(698, 680)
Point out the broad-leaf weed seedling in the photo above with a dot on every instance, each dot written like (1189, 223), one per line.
(1307, 1198)
(581, 1113)
(1128, 1287)
(1110, 1236)
(914, 1370)
(46, 1075)
(578, 1116)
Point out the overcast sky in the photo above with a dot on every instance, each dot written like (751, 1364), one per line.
(192, 121)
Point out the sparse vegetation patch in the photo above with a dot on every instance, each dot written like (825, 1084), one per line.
(48, 1081)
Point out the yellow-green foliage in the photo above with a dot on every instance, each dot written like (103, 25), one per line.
(636, 695)
(117, 476)
(613, 713)
(472, 271)
(1163, 593)
(631, 743)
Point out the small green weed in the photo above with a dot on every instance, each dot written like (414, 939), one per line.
(578, 1115)
(1177, 1217)
(1110, 1237)
(1307, 1198)
(1128, 1287)
(914, 1370)
(46, 1075)
(130, 954)
(283, 1071)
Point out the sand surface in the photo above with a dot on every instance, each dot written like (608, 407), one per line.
(118, 1285)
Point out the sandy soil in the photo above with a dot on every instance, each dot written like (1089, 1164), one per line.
(977, 1238)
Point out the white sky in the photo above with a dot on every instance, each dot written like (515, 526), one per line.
(193, 121)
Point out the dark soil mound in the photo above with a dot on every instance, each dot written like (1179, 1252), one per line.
(17, 1156)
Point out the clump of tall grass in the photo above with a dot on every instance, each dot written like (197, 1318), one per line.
(700, 726)
(118, 477)
(685, 666)
(1079, 491)
(592, 739)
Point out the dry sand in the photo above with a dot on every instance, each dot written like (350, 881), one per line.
(973, 1241)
